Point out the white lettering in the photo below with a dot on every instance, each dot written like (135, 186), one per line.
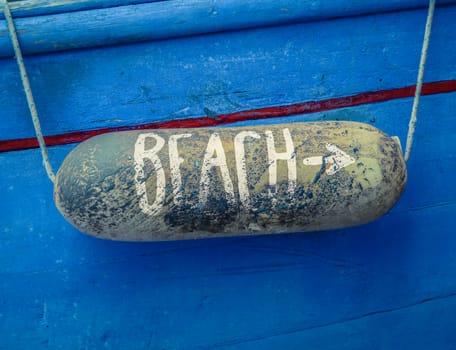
(140, 155)
(239, 152)
(215, 147)
(174, 163)
(289, 156)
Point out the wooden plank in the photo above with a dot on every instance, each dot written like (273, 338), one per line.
(308, 107)
(59, 286)
(166, 19)
(307, 281)
(28, 8)
(390, 284)
(436, 130)
(153, 82)
(397, 327)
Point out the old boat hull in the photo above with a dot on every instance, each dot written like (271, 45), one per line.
(117, 65)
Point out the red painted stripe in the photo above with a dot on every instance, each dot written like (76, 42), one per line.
(253, 114)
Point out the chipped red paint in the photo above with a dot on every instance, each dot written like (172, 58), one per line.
(253, 114)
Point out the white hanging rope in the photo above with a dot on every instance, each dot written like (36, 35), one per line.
(28, 90)
(419, 82)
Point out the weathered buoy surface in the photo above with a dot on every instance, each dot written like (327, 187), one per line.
(209, 182)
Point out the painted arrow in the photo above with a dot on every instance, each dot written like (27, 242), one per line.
(338, 159)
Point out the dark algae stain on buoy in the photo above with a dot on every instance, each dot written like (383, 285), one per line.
(209, 182)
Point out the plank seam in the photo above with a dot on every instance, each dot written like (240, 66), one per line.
(150, 21)
(309, 107)
(335, 323)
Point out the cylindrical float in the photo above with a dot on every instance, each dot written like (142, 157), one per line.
(209, 182)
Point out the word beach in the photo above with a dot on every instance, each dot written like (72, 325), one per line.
(208, 182)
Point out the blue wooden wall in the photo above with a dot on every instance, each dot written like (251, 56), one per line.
(387, 285)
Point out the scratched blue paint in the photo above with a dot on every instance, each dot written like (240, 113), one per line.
(389, 278)
(390, 284)
(167, 19)
(30, 8)
(225, 72)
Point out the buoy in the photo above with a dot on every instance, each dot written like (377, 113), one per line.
(172, 184)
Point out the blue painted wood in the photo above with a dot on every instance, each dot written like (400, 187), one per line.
(28, 8)
(389, 284)
(376, 285)
(223, 73)
(166, 19)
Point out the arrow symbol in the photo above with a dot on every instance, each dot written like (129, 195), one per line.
(335, 161)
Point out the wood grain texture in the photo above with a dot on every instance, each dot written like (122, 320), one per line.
(259, 114)
(28, 8)
(384, 283)
(224, 73)
(169, 19)
(389, 284)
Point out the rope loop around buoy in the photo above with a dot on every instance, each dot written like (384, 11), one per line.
(27, 89)
(419, 81)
